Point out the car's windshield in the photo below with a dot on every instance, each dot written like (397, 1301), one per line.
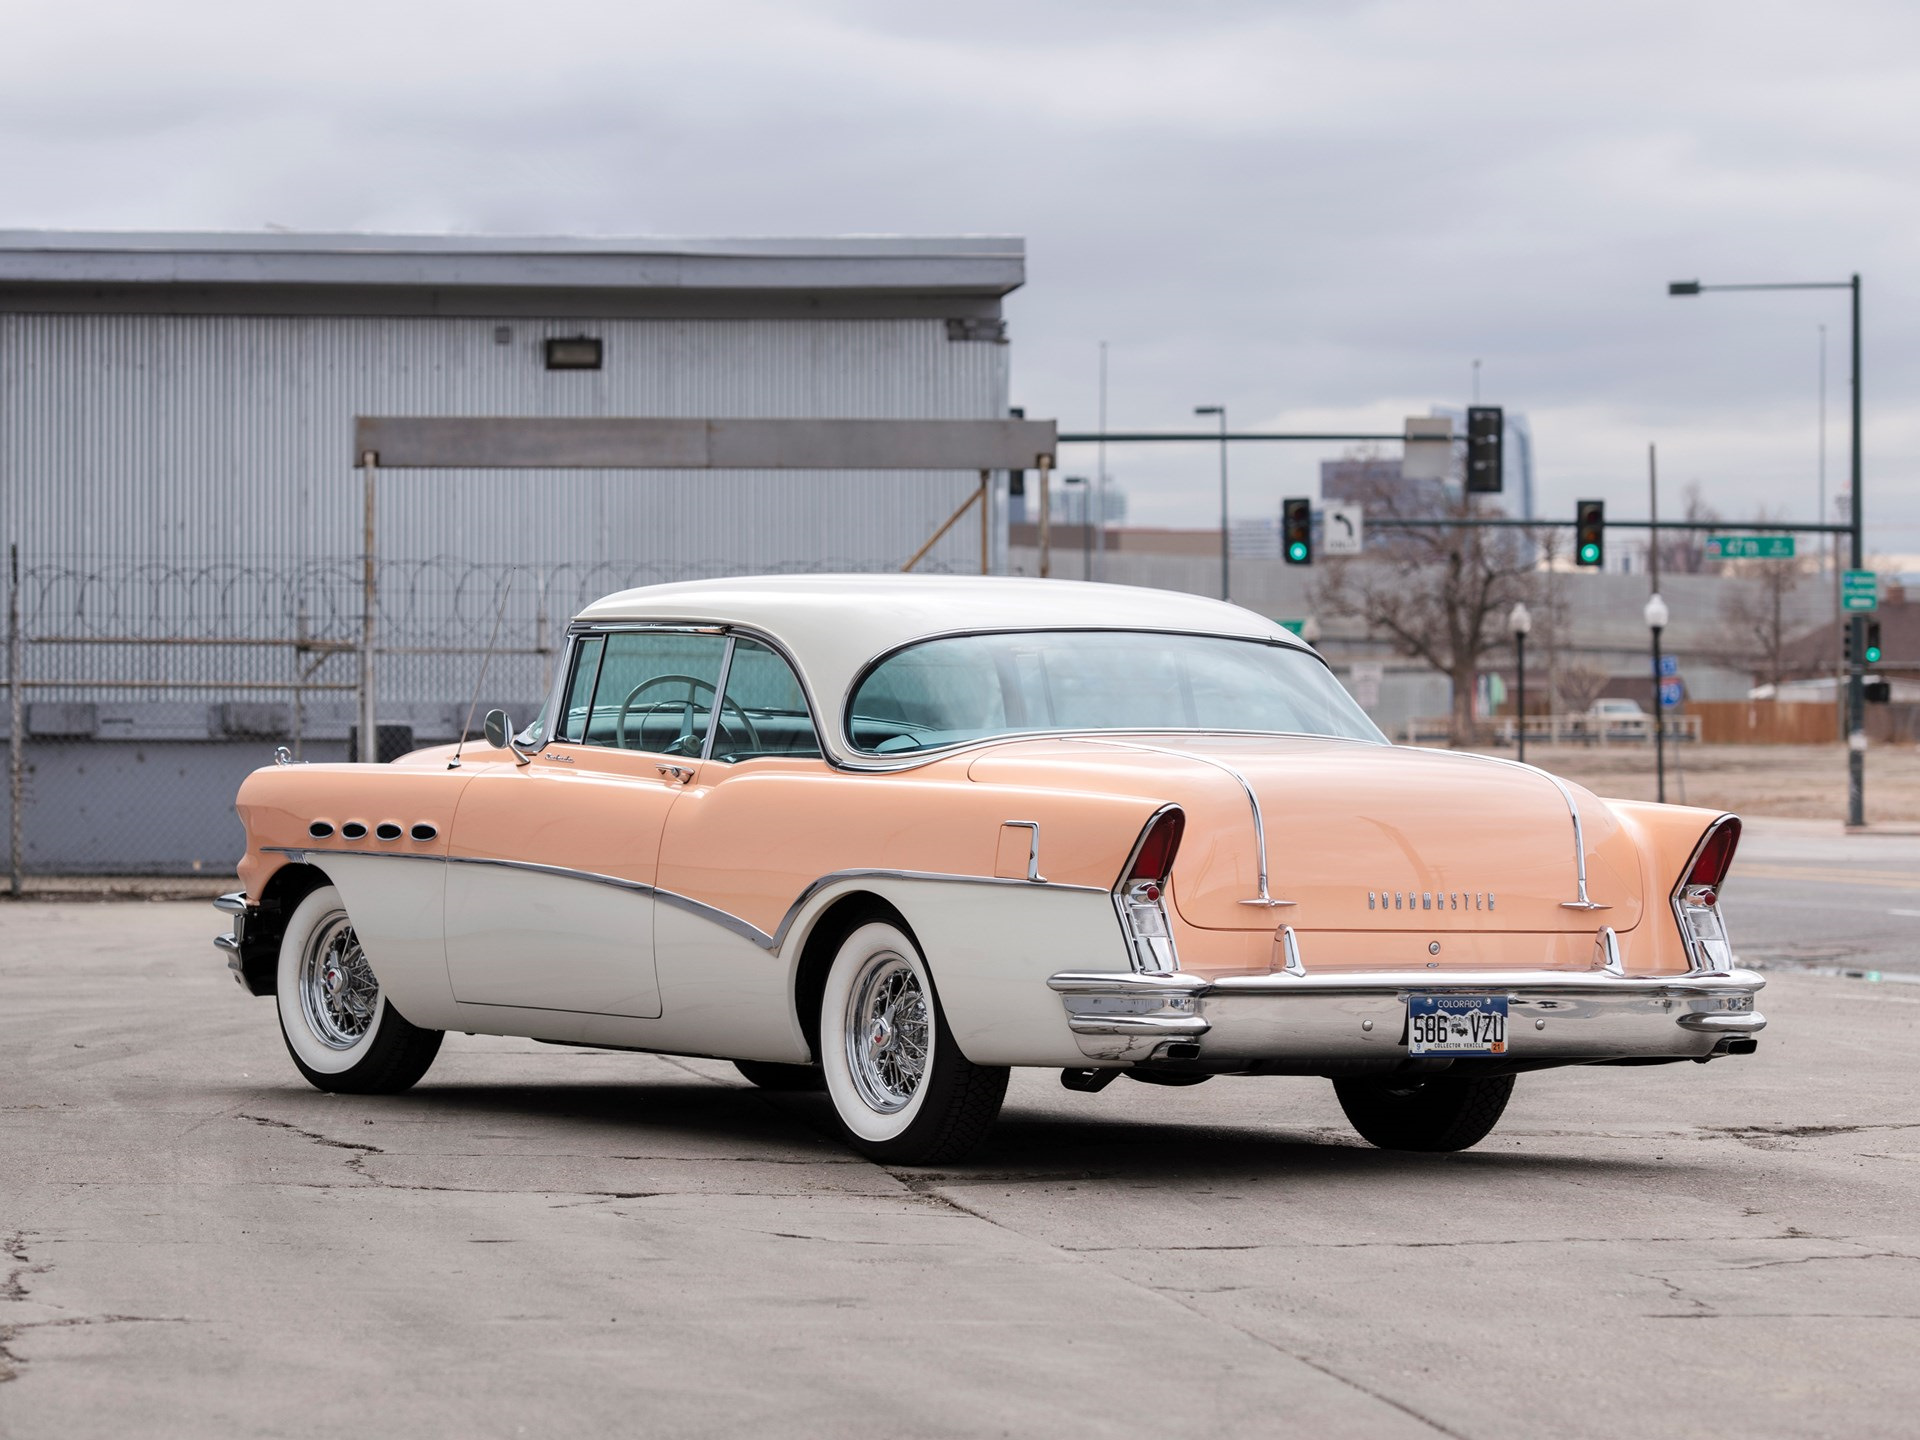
(967, 687)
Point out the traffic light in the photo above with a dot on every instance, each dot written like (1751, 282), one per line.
(1872, 655)
(1486, 429)
(1590, 533)
(1296, 531)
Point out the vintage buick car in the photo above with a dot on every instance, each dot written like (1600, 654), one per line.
(889, 836)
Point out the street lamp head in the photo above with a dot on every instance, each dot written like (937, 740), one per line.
(1684, 287)
(1520, 619)
(1209, 409)
(1656, 613)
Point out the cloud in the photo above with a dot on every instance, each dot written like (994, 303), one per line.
(1304, 211)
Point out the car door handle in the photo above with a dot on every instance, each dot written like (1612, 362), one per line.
(679, 774)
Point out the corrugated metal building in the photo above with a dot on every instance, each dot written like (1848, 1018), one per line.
(176, 463)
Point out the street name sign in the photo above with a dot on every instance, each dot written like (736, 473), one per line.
(1859, 590)
(1750, 547)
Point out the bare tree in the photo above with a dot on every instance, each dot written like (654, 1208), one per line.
(1685, 552)
(1578, 686)
(1757, 613)
(1440, 593)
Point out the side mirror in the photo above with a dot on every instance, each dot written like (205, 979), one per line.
(499, 733)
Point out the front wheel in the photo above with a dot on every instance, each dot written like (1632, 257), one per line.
(901, 1090)
(343, 1033)
(1448, 1112)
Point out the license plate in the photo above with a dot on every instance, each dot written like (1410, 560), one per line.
(1456, 1024)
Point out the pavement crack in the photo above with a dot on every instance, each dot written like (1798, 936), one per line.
(922, 1186)
(356, 1162)
(16, 1250)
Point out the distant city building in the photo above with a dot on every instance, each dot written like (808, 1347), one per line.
(1069, 506)
(1254, 538)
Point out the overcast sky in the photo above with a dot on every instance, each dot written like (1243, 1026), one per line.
(1318, 214)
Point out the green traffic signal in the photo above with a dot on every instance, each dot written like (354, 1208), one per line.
(1873, 654)
(1297, 552)
(1589, 554)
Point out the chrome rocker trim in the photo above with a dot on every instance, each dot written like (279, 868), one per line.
(1319, 1023)
(726, 920)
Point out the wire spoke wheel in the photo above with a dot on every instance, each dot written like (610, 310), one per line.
(902, 1090)
(339, 1024)
(338, 992)
(886, 1034)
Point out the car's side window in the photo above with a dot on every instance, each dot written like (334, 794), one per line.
(572, 722)
(653, 690)
(765, 711)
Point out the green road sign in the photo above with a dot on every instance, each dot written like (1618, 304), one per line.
(1296, 626)
(1859, 590)
(1750, 547)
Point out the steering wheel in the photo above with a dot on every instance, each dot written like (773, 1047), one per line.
(694, 685)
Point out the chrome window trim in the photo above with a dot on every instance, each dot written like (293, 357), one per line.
(726, 919)
(577, 633)
(937, 752)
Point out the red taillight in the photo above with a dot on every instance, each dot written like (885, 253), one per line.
(1710, 866)
(1159, 842)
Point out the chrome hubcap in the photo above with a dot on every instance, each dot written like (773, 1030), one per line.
(886, 1034)
(338, 993)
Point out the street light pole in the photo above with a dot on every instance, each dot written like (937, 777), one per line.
(1656, 616)
(1520, 621)
(1856, 623)
(1226, 588)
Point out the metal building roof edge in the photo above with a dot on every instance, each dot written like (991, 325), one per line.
(965, 264)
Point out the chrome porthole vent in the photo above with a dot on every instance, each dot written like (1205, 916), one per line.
(423, 831)
(320, 829)
(354, 830)
(387, 830)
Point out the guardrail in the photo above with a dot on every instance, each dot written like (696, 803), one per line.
(1559, 729)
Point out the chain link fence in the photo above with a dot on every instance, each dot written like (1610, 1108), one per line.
(140, 695)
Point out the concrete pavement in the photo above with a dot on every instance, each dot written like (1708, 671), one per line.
(542, 1241)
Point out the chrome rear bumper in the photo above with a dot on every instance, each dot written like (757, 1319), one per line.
(1310, 1023)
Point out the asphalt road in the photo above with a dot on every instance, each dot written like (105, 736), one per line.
(552, 1242)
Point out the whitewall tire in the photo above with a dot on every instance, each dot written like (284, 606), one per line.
(900, 1087)
(340, 1029)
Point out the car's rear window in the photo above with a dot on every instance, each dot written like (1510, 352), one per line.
(969, 687)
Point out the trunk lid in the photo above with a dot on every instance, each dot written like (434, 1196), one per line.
(1359, 837)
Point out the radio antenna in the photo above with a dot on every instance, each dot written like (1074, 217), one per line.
(485, 660)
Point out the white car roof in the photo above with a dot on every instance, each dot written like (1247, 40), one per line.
(835, 624)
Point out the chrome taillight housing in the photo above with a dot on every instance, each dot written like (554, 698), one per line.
(1140, 894)
(1696, 899)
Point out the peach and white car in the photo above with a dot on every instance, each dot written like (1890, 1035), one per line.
(889, 836)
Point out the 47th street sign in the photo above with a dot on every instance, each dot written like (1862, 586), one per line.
(1750, 547)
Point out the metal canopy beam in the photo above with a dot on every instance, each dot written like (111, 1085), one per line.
(572, 443)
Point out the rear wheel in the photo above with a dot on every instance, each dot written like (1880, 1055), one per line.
(901, 1089)
(1448, 1112)
(343, 1033)
(771, 1075)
